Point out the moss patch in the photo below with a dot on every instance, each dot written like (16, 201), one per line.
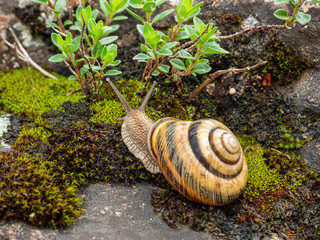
(30, 190)
(29, 92)
(283, 64)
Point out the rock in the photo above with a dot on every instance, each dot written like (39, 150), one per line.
(303, 39)
(311, 153)
(305, 91)
(113, 212)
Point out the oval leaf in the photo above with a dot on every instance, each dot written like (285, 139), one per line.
(57, 58)
(113, 72)
(201, 68)
(141, 56)
(279, 2)
(302, 18)
(178, 64)
(281, 14)
(108, 40)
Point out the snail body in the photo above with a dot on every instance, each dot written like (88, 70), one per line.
(202, 159)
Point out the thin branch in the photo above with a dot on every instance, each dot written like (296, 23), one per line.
(70, 69)
(59, 32)
(24, 56)
(281, 153)
(74, 91)
(254, 29)
(216, 74)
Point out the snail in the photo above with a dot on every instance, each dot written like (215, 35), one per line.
(202, 159)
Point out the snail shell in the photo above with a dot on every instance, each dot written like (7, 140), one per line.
(202, 159)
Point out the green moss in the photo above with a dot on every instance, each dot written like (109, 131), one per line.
(29, 190)
(263, 181)
(27, 91)
(283, 64)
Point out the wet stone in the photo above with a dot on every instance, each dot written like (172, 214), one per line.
(112, 212)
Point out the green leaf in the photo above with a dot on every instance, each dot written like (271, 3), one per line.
(136, 3)
(181, 12)
(57, 58)
(40, 1)
(149, 7)
(162, 15)
(281, 14)
(54, 40)
(178, 64)
(144, 48)
(97, 49)
(318, 1)
(199, 26)
(215, 50)
(155, 73)
(120, 5)
(186, 55)
(141, 56)
(111, 29)
(302, 18)
(72, 77)
(169, 45)
(201, 68)
(55, 11)
(164, 68)
(279, 2)
(67, 22)
(159, 2)
(191, 32)
(104, 8)
(135, 15)
(115, 63)
(119, 18)
(60, 4)
(181, 35)
(79, 60)
(108, 40)
(113, 72)
(68, 48)
(194, 11)
(76, 43)
(164, 52)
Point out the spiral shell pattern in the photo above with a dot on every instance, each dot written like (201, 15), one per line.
(202, 159)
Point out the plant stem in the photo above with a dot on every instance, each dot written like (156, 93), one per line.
(296, 11)
(62, 29)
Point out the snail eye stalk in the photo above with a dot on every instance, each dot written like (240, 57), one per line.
(146, 99)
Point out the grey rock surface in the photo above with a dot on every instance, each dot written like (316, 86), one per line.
(304, 40)
(113, 212)
(305, 92)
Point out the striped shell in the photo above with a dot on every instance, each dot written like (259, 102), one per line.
(203, 160)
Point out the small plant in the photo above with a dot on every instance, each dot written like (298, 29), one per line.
(296, 15)
(90, 52)
(164, 54)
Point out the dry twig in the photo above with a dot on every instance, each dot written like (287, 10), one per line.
(216, 74)
(24, 56)
(254, 29)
